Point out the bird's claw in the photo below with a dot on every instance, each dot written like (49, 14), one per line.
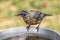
(28, 28)
(37, 29)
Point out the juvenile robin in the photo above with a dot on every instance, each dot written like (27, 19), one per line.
(32, 17)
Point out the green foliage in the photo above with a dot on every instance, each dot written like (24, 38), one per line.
(36, 4)
(9, 13)
(17, 2)
(51, 0)
(0, 10)
(2, 1)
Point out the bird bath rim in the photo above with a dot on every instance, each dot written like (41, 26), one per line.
(32, 31)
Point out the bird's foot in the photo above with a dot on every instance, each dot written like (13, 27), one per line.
(37, 28)
(28, 28)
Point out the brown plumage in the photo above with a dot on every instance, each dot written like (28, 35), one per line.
(31, 21)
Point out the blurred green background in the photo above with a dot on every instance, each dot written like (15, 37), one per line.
(9, 8)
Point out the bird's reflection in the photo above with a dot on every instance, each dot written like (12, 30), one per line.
(27, 38)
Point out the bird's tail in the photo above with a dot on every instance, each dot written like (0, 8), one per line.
(48, 14)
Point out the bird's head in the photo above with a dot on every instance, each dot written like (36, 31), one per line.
(22, 13)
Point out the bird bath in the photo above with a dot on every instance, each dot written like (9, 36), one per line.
(23, 33)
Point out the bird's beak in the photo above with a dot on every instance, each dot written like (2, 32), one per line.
(17, 15)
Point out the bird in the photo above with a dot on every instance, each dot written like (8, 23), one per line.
(32, 17)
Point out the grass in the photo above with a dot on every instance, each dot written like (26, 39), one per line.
(9, 8)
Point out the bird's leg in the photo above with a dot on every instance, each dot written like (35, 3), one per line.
(38, 27)
(28, 27)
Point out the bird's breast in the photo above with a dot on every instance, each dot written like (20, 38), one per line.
(31, 21)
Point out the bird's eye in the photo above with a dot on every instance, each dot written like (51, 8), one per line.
(23, 14)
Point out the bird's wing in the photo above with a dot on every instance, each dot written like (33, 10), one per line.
(37, 15)
(31, 14)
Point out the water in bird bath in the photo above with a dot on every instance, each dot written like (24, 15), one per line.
(27, 38)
